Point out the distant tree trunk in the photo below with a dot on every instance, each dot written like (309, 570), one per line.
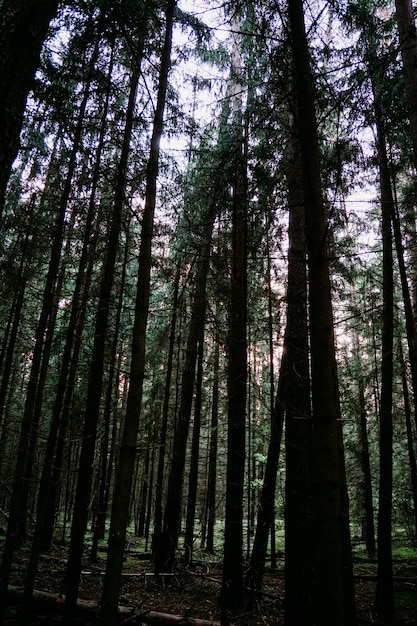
(410, 435)
(210, 508)
(23, 28)
(165, 414)
(143, 494)
(195, 457)
(149, 507)
(125, 470)
(367, 496)
(54, 456)
(333, 591)
(99, 520)
(231, 596)
(40, 354)
(8, 349)
(267, 500)
(410, 324)
(298, 423)
(95, 377)
(165, 548)
(384, 595)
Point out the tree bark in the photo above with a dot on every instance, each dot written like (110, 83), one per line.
(231, 596)
(333, 591)
(384, 595)
(195, 456)
(165, 413)
(210, 515)
(298, 422)
(267, 499)
(95, 378)
(125, 470)
(367, 496)
(166, 544)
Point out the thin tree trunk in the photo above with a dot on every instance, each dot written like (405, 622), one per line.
(45, 321)
(165, 413)
(194, 461)
(102, 503)
(54, 457)
(333, 592)
(165, 551)
(384, 595)
(125, 471)
(210, 513)
(367, 496)
(267, 500)
(231, 596)
(410, 436)
(95, 378)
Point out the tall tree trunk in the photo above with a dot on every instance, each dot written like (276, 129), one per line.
(23, 28)
(165, 548)
(195, 456)
(384, 595)
(40, 353)
(100, 516)
(54, 456)
(333, 592)
(9, 341)
(410, 436)
(231, 596)
(407, 302)
(95, 377)
(210, 514)
(125, 470)
(165, 414)
(298, 425)
(267, 500)
(367, 496)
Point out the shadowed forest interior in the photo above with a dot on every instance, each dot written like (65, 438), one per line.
(208, 348)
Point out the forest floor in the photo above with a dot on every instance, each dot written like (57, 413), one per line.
(194, 591)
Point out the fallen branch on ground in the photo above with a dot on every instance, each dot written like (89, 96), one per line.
(89, 609)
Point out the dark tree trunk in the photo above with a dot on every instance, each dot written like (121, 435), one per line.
(23, 28)
(95, 378)
(166, 546)
(100, 516)
(165, 414)
(333, 591)
(408, 44)
(367, 496)
(9, 342)
(54, 457)
(267, 500)
(410, 436)
(125, 470)
(194, 461)
(210, 508)
(298, 426)
(232, 583)
(40, 355)
(384, 596)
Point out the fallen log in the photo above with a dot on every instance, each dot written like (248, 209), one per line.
(89, 609)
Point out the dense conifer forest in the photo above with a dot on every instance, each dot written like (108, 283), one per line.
(208, 339)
